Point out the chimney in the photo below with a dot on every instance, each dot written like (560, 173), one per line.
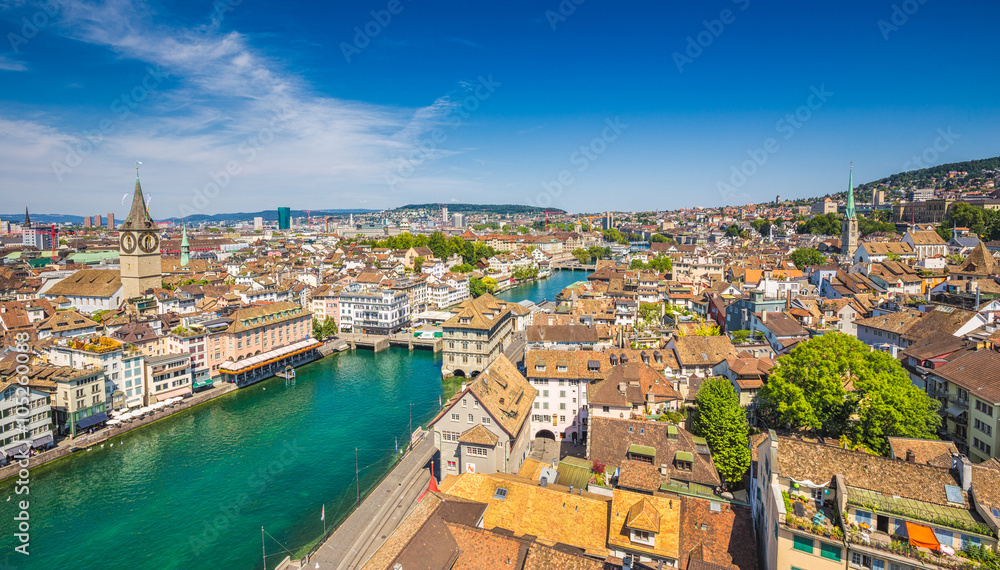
(910, 456)
(763, 316)
(663, 469)
(543, 482)
(966, 473)
(570, 489)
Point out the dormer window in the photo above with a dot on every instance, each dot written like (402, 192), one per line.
(683, 460)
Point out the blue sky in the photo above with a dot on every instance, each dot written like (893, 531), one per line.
(587, 106)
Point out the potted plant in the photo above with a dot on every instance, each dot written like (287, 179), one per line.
(838, 534)
(817, 529)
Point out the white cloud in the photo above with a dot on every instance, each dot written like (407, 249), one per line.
(217, 107)
(8, 64)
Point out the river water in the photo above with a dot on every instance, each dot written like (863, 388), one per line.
(193, 491)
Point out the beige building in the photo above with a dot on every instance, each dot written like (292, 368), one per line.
(167, 377)
(485, 428)
(476, 335)
(79, 399)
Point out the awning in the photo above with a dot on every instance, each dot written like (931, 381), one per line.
(42, 441)
(17, 450)
(955, 410)
(91, 420)
(922, 536)
(180, 392)
(200, 383)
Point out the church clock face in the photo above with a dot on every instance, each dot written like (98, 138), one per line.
(148, 242)
(128, 242)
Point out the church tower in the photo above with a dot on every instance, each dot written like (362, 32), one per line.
(139, 248)
(849, 235)
(185, 246)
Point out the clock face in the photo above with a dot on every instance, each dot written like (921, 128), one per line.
(128, 242)
(148, 242)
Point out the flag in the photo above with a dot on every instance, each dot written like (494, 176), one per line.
(322, 515)
(137, 162)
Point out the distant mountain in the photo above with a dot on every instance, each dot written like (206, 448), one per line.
(46, 218)
(501, 209)
(268, 215)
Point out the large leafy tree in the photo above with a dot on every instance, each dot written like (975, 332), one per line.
(723, 424)
(804, 256)
(837, 386)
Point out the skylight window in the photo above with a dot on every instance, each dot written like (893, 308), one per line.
(500, 494)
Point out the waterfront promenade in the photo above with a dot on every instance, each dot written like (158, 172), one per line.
(366, 529)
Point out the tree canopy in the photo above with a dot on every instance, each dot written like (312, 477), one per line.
(823, 225)
(804, 257)
(660, 264)
(723, 424)
(836, 385)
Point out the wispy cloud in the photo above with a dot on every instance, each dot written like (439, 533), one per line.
(220, 93)
(8, 64)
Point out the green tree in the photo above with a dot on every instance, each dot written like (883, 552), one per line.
(804, 257)
(660, 238)
(649, 312)
(439, 245)
(463, 268)
(826, 225)
(723, 424)
(478, 287)
(836, 385)
(733, 231)
(581, 255)
(418, 262)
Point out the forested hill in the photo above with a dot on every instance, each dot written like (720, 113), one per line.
(500, 209)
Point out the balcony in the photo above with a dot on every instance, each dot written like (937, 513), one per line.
(956, 401)
(899, 547)
(810, 516)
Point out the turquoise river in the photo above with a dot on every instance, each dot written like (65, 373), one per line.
(193, 491)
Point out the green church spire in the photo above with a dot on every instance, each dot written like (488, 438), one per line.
(849, 212)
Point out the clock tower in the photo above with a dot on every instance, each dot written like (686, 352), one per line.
(139, 248)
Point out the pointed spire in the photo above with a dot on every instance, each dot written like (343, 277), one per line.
(185, 247)
(849, 212)
(138, 217)
(27, 220)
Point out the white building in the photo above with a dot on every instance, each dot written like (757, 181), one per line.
(380, 312)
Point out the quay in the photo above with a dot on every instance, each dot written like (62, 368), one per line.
(355, 540)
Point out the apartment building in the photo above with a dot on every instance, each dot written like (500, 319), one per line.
(380, 311)
(476, 335)
(79, 400)
(25, 418)
(103, 352)
(167, 376)
(818, 506)
(485, 428)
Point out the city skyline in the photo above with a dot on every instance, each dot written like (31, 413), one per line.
(390, 103)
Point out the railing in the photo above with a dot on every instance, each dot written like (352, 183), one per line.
(884, 543)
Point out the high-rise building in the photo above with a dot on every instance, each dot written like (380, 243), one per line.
(849, 236)
(444, 214)
(111, 221)
(97, 221)
(139, 248)
(87, 221)
(459, 220)
(258, 223)
(284, 218)
(878, 197)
